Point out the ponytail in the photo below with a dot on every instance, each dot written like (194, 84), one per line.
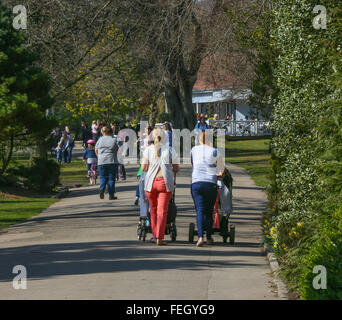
(158, 136)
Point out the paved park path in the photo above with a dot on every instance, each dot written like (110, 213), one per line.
(86, 248)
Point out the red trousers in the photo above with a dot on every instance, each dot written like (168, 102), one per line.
(159, 199)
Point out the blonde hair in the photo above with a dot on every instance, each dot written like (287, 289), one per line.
(158, 136)
(106, 131)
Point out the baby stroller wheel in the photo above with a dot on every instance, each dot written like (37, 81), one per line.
(173, 232)
(143, 236)
(224, 229)
(142, 233)
(191, 232)
(232, 234)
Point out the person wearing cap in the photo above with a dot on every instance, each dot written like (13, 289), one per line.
(89, 154)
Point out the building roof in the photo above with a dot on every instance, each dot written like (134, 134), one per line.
(211, 96)
(216, 72)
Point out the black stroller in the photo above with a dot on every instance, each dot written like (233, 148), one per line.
(144, 226)
(225, 208)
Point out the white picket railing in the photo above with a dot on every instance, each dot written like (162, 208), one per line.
(242, 127)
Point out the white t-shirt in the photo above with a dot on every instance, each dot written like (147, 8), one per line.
(93, 128)
(204, 160)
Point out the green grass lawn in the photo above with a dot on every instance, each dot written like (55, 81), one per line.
(74, 173)
(71, 173)
(14, 210)
(18, 205)
(252, 155)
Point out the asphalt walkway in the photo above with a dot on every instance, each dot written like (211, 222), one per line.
(83, 247)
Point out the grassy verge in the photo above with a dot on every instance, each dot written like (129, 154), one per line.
(17, 205)
(73, 173)
(15, 209)
(252, 155)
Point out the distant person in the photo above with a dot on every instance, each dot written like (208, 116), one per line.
(93, 129)
(168, 131)
(85, 134)
(112, 126)
(121, 172)
(68, 144)
(98, 130)
(90, 156)
(56, 135)
(59, 152)
(202, 125)
(106, 150)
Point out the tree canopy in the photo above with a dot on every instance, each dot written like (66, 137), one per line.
(24, 92)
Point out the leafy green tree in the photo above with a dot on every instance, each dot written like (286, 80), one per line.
(24, 94)
(111, 88)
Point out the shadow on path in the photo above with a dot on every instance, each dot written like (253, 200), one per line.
(50, 260)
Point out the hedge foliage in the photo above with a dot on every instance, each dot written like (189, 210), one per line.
(306, 181)
(42, 175)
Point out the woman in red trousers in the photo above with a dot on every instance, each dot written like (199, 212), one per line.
(160, 163)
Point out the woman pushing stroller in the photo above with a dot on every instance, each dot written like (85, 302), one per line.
(160, 163)
(207, 166)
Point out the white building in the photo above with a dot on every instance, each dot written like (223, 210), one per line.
(224, 102)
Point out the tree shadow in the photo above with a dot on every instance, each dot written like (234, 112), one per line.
(51, 260)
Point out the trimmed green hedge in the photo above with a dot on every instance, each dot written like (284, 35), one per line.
(306, 176)
(325, 251)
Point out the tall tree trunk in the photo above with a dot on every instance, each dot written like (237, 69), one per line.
(41, 149)
(180, 107)
(7, 157)
(153, 114)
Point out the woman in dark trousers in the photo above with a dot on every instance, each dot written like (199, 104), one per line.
(106, 150)
(207, 165)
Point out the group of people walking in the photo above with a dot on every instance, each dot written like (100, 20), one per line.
(159, 166)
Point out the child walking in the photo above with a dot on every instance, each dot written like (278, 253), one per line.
(90, 156)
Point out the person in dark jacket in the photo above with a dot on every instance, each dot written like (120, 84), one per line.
(86, 134)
